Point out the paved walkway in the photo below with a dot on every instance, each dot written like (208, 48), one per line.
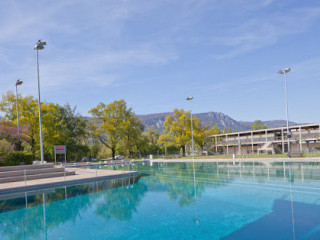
(82, 175)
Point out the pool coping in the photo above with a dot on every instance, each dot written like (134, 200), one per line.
(316, 159)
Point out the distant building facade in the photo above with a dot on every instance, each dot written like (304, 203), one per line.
(303, 139)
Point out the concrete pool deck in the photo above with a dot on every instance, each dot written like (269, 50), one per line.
(82, 175)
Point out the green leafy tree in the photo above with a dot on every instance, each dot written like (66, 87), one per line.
(96, 148)
(132, 131)
(178, 126)
(148, 142)
(258, 125)
(227, 130)
(61, 125)
(166, 142)
(142, 143)
(115, 125)
(201, 134)
(28, 111)
(5, 148)
(153, 135)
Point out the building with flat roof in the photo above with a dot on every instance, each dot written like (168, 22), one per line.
(303, 139)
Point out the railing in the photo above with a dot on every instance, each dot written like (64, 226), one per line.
(63, 173)
(305, 136)
(294, 136)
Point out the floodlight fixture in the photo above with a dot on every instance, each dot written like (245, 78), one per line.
(40, 45)
(189, 98)
(19, 82)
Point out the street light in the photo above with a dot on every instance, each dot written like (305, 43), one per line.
(18, 82)
(286, 70)
(39, 46)
(190, 99)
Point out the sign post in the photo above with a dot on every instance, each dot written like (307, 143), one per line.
(60, 149)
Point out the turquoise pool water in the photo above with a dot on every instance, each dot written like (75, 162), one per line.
(175, 201)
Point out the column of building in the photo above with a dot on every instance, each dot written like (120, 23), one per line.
(252, 150)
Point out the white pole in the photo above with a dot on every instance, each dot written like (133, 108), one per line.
(25, 177)
(287, 112)
(55, 156)
(18, 113)
(190, 99)
(192, 131)
(39, 102)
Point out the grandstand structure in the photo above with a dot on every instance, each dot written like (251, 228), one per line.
(303, 139)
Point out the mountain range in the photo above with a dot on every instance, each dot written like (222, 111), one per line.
(211, 118)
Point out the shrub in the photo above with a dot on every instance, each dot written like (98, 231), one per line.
(2, 158)
(17, 158)
(6, 147)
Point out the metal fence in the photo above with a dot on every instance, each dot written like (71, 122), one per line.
(295, 136)
(63, 173)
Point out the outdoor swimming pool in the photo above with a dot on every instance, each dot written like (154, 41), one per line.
(226, 200)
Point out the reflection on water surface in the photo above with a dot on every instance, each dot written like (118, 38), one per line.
(225, 200)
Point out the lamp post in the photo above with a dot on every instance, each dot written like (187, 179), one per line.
(190, 99)
(18, 82)
(285, 71)
(39, 46)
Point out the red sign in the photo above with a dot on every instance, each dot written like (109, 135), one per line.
(60, 149)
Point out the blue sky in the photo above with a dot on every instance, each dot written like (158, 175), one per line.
(154, 54)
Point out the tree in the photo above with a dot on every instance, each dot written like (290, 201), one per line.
(61, 125)
(166, 141)
(148, 142)
(178, 126)
(5, 147)
(115, 124)
(227, 130)
(258, 125)
(201, 133)
(8, 131)
(96, 148)
(28, 111)
(132, 130)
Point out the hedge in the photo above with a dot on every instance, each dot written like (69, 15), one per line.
(17, 158)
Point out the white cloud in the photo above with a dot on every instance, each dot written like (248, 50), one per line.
(99, 42)
(85, 45)
(83, 69)
(260, 32)
(302, 71)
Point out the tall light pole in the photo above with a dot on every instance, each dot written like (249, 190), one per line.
(285, 71)
(18, 82)
(39, 46)
(190, 99)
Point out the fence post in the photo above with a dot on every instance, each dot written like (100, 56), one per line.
(25, 177)
(96, 170)
(64, 171)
